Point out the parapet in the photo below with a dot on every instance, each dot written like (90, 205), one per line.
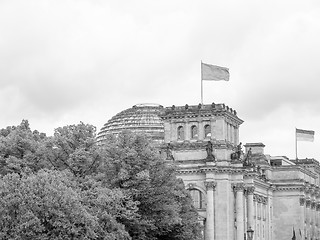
(200, 110)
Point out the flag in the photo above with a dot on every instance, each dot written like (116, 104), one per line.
(304, 135)
(294, 234)
(214, 73)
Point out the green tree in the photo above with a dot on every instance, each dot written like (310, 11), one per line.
(134, 165)
(52, 205)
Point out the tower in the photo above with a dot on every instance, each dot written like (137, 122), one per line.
(201, 140)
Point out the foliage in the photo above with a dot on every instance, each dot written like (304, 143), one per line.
(73, 147)
(165, 207)
(52, 205)
(68, 187)
(21, 149)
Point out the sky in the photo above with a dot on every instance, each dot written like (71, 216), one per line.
(62, 62)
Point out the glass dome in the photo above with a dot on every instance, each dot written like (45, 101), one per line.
(141, 118)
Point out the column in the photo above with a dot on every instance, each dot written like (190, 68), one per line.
(317, 217)
(308, 217)
(237, 135)
(313, 204)
(238, 188)
(250, 207)
(209, 231)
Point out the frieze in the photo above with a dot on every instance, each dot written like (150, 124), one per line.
(210, 185)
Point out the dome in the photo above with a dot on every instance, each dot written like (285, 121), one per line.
(141, 118)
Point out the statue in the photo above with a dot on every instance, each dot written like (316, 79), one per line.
(238, 153)
(248, 159)
(239, 150)
(169, 152)
(209, 149)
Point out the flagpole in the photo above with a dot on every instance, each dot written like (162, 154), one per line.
(296, 145)
(201, 86)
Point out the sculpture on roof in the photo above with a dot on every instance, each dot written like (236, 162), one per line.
(237, 155)
(169, 152)
(248, 159)
(209, 149)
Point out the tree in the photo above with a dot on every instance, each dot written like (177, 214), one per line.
(21, 149)
(134, 165)
(74, 147)
(52, 205)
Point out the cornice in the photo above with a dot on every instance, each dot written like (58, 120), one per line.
(198, 145)
(215, 169)
(287, 188)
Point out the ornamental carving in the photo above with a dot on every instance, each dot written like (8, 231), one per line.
(308, 202)
(302, 201)
(191, 185)
(210, 185)
(250, 190)
(318, 206)
(260, 199)
(264, 200)
(313, 205)
(238, 187)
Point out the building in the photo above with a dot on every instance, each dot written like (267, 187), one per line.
(234, 189)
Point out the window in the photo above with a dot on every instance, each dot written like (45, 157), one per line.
(180, 133)
(198, 199)
(194, 132)
(207, 131)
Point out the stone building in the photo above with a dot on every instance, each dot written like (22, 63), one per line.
(233, 189)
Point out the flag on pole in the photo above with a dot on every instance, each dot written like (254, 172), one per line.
(214, 73)
(304, 135)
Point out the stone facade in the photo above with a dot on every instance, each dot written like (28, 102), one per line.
(233, 190)
(274, 196)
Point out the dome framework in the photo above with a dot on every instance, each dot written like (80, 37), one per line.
(141, 118)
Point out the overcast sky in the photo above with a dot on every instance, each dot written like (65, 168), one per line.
(62, 62)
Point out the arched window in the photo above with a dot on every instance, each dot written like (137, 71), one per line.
(194, 132)
(197, 198)
(207, 131)
(180, 133)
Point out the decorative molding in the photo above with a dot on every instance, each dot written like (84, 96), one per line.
(288, 188)
(215, 169)
(250, 190)
(302, 201)
(237, 187)
(308, 202)
(260, 199)
(210, 185)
